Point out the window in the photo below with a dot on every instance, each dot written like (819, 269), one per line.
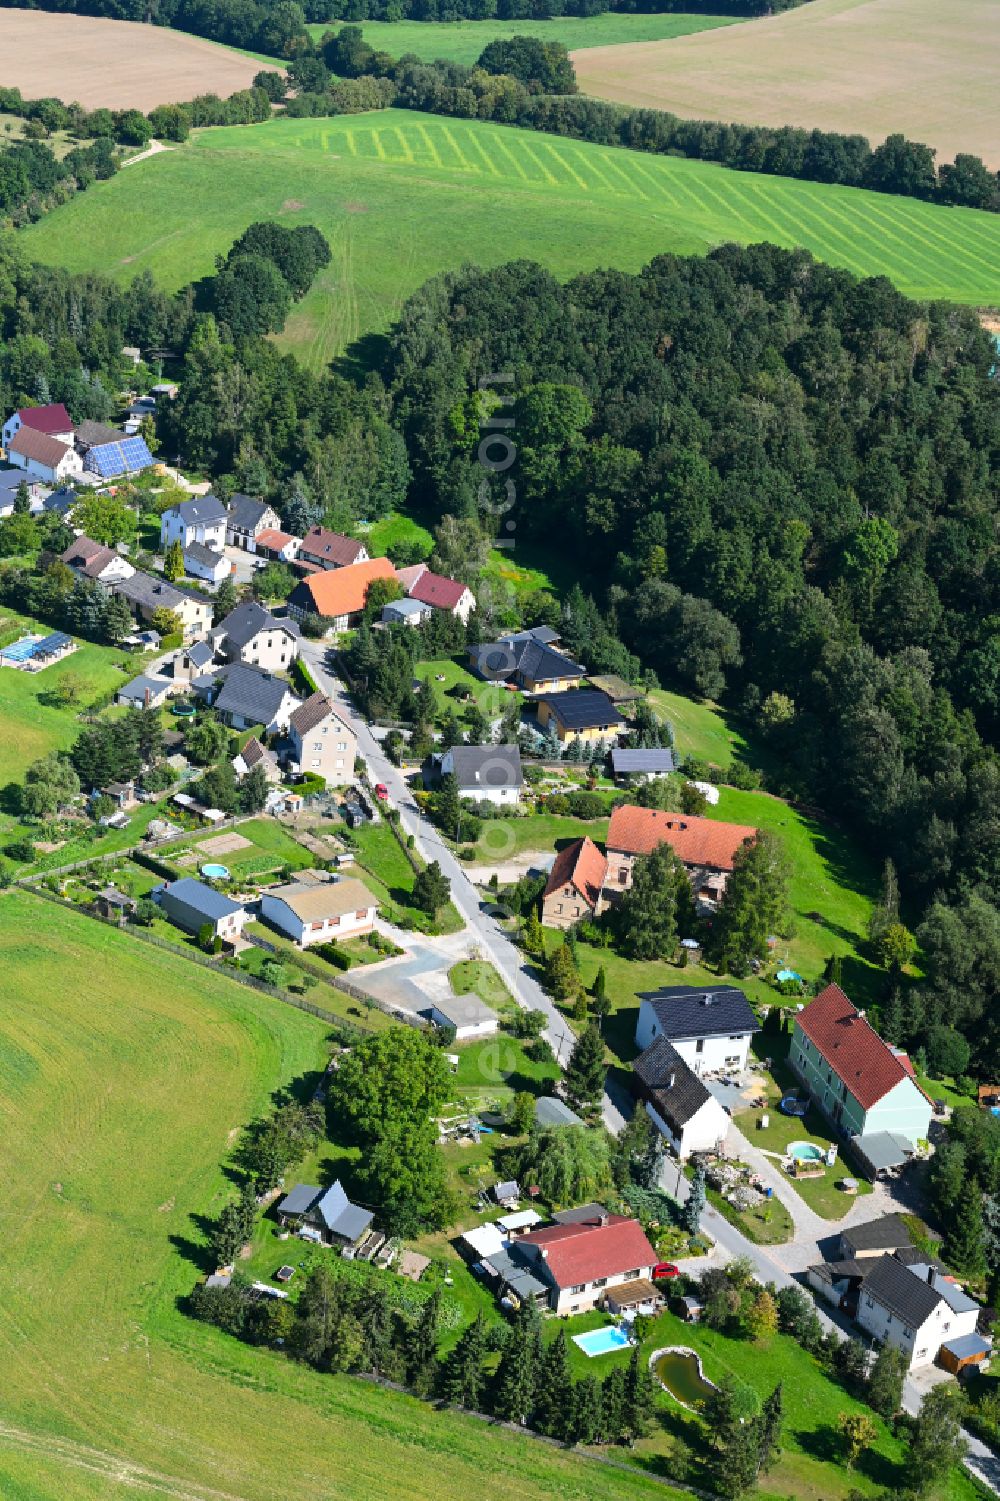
(622, 874)
(908, 1333)
(362, 914)
(600, 1282)
(628, 1277)
(699, 1046)
(578, 1289)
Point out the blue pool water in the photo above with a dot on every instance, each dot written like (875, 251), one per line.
(788, 974)
(20, 651)
(600, 1341)
(806, 1151)
(216, 872)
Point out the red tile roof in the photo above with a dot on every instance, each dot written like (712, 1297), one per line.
(851, 1046)
(434, 589)
(332, 546)
(583, 1252)
(32, 444)
(697, 841)
(48, 419)
(274, 539)
(342, 591)
(582, 865)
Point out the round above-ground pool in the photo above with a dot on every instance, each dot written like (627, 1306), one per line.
(806, 1151)
(792, 1106)
(215, 872)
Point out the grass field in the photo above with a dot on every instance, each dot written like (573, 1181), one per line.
(402, 196)
(867, 66)
(463, 41)
(124, 1074)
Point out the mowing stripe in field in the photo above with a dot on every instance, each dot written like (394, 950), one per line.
(591, 166)
(472, 139)
(467, 166)
(404, 144)
(546, 174)
(351, 143)
(557, 156)
(428, 142)
(939, 243)
(512, 158)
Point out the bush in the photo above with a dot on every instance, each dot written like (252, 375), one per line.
(528, 1023)
(586, 804)
(744, 778)
(333, 955)
(539, 1050)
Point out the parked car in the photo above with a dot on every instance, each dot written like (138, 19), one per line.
(664, 1270)
(381, 792)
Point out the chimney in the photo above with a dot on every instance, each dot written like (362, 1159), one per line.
(930, 1276)
(671, 1081)
(146, 698)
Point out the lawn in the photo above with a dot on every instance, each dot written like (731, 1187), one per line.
(124, 1075)
(395, 531)
(403, 196)
(454, 686)
(700, 729)
(387, 873)
(272, 848)
(463, 41)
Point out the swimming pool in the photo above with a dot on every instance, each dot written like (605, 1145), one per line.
(788, 974)
(601, 1341)
(21, 651)
(806, 1151)
(216, 872)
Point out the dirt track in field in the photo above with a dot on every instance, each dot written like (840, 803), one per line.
(929, 70)
(120, 64)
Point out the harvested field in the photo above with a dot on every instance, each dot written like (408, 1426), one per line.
(120, 64)
(865, 66)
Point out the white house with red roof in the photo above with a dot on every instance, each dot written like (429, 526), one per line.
(437, 591)
(52, 420)
(583, 1261)
(864, 1086)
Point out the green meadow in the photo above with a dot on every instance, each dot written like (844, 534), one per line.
(402, 196)
(463, 41)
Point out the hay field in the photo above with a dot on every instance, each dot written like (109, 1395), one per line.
(124, 1071)
(402, 196)
(929, 70)
(120, 64)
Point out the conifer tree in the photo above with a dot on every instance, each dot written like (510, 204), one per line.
(516, 1384)
(464, 1377)
(585, 1071)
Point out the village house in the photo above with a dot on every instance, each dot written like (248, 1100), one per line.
(278, 546)
(338, 594)
(710, 1026)
(327, 1211)
(438, 592)
(254, 754)
(874, 1238)
(323, 743)
(201, 519)
(148, 593)
(52, 420)
(250, 633)
(922, 1312)
(94, 435)
(92, 560)
(677, 1100)
(583, 1262)
(466, 1015)
(573, 889)
(705, 846)
(11, 481)
(193, 661)
(116, 457)
(861, 1084)
(630, 766)
(318, 912)
(201, 562)
(192, 904)
(326, 549)
(582, 714)
(528, 663)
(406, 612)
(246, 519)
(145, 692)
(43, 458)
(245, 696)
(484, 773)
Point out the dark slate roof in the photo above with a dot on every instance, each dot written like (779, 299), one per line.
(301, 1199)
(543, 634)
(201, 508)
(884, 1234)
(252, 693)
(629, 762)
(701, 1011)
(146, 589)
(583, 1214)
(200, 654)
(897, 1289)
(249, 619)
(197, 552)
(11, 479)
(529, 658)
(245, 513)
(675, 1090)
(485, 766)
(201, 898)
(61, 500)
(92, 434)
(583, 709)
(340, 1216)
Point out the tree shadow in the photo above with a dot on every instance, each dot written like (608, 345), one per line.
(370, 352)
(197, 1252)
(826, 1444)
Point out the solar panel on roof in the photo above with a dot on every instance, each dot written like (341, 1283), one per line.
(53, 643)
(126, 457)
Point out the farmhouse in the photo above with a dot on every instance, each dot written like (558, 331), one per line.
(705, 846)
(862, 1085)
(147, 594)
(42, 457)
(254, 754)
(92, 560)
(921, 1312)
(583, 1262)
(436, 591)
(709, 1026)
(331, 549)
(528, 663)
(581, 715)
(52, 420)
(245, 696)
(466, 1014)
(328, 1211)
(573, 889)
(339, 594)
(245, 521)
(250, 633)
(484, 773)
(191, 904)
(322, 742)
(202, 519)
(201, 562)
(677, 1101)
(319, 912)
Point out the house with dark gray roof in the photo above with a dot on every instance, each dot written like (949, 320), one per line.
(641, 765)
(201, 519)
(147, 593)
(527, 662)
(246, 519)
(709, 1025)
(874, 1238)
(191, 904)
(584, 714)
(327, 1210)
(250, 633)
(919, 1310)
(201, 562)
(484, 773)
(677, 1101)
(92, 434)
(245, 696)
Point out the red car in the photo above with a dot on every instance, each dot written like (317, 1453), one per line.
(664, 1270)
(381, 792)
